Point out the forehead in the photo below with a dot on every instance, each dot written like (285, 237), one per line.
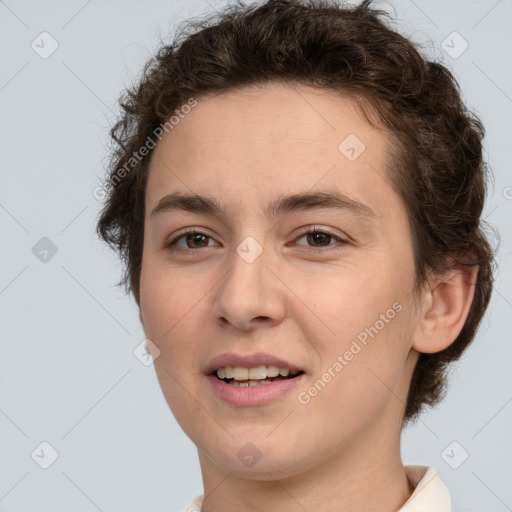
(271, 138)
(277, 112)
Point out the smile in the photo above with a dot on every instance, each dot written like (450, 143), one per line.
(242, 391)
(255, 376)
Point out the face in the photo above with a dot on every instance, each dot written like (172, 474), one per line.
(295, 252)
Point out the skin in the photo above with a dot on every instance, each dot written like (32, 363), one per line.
(302, 300)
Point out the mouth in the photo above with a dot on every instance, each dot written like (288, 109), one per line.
(241, 376)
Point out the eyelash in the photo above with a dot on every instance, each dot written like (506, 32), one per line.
(312, 229)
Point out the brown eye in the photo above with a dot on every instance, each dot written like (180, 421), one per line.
(196, 240)
(318, 239)
(190, 240)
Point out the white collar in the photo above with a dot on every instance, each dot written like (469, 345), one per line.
(430, 493)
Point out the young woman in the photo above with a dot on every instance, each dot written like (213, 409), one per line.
(297, 195)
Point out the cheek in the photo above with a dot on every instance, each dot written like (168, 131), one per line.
(356, 381)
(344, 303)
(362, 317)
(171, 315)
(170, 311)
(165, 296)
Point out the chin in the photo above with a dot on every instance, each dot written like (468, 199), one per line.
(261, 460)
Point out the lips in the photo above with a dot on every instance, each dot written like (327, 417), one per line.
(254, 393)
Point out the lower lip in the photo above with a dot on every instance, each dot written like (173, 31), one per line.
(253, 395)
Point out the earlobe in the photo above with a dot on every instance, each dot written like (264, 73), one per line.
(445, 307)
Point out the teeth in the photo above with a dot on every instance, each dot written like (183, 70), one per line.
(249, 383)
(255, 383)
(255, 373)
(258, 373)
(274, 371)
(240, 373)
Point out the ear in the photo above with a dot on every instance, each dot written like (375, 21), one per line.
(445, 307)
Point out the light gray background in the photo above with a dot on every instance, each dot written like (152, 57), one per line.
(68, 373)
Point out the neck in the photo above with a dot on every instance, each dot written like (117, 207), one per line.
(364, 475)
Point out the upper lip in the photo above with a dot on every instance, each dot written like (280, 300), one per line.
(249, 361)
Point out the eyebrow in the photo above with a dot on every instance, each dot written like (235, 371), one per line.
(282, 205)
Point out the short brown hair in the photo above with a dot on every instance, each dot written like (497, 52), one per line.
(438, 169)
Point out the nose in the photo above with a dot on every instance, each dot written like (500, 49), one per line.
(249, 295)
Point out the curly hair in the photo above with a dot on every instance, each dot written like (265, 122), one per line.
(437, 169)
